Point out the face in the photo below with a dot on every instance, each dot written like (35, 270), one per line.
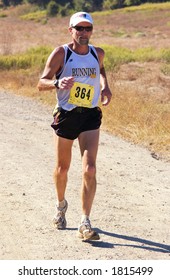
(81, 33)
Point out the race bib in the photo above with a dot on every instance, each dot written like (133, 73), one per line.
(81, 95)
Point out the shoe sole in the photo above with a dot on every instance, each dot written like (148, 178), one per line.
(60, 226)
(89, 236)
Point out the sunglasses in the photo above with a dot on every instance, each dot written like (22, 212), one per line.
(82, 28)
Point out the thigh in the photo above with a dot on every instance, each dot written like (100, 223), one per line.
(63, 148)
(88, 142)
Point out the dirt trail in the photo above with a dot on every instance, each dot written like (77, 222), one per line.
(131, 207)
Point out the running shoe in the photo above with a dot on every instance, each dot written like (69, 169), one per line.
(59, 220)
(86, 233)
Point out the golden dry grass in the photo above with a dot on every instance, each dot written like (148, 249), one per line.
(140, 108)
(140, 119)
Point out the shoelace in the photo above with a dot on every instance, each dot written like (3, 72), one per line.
(87, 225)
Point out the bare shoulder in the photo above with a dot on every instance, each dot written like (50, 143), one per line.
(57, 53)
(55, 60)
(100, 52)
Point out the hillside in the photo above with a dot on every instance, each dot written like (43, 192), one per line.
(130, 28)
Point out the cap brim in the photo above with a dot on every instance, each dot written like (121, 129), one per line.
(78, 21)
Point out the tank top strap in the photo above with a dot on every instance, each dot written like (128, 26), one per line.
(68, 53)
(93, 52)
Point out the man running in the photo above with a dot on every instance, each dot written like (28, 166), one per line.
(80, 81)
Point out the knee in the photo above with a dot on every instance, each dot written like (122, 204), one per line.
(90, 171)
(61, 171)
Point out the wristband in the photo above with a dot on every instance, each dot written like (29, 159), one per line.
(56, 83)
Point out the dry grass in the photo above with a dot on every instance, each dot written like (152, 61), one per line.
(24, 82)
(140, 109)
(140, 119)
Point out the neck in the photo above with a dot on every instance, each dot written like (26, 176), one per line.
(79, 49)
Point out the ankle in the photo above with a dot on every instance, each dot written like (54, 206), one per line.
(61, 204)
(84, 218)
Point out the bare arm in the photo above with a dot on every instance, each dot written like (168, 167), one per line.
(53, 66)
(106, 94)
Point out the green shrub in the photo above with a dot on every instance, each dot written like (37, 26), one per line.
(2, 15)
(115, 56)
(34, 57)
(165, 53)
(35, 16)
(52, 8)
(14, 61)
(145, 54)
(66, 10)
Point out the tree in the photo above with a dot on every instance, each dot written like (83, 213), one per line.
(98, 5)
(7, 3)
(132, 2)
(63, 2)
(16, 2)
(52, 8)
(40, 3)
(88, 5)
(113, 4)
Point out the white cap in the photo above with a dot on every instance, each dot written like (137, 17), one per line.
(80, 17)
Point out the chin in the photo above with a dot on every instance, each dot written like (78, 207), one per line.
(83, 42)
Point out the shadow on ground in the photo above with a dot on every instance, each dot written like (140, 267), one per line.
(145, 244)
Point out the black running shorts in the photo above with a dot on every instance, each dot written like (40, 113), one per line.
(69, 124)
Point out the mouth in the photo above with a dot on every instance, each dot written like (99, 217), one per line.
(83, 38)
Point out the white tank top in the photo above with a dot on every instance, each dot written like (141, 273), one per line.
(86, 72)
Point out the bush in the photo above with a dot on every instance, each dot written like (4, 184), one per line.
(115, 56)
(52, 8)
(65, 10)
(35, 16)
(113, 4)
(132, 2)
(34, 57)
(14, 62)
(166, 55)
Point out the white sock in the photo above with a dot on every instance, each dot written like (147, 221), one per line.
(84, 218)
(61, 204)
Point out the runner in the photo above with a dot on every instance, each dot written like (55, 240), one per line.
(80, 81)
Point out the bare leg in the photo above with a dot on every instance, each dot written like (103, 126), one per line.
(88, 142)
(63, 158)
